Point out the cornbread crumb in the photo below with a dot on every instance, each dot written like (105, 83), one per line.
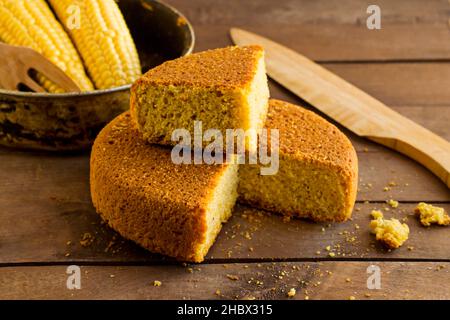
(351, 298)
(232, 277)
(157, 283)
(429, 214)
(391, 232)
(291, 293)
(392, 203)
(332, 254)
(377, 214)
(218, 293)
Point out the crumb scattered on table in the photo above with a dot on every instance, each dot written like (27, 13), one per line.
(429, 214)
(391, 232)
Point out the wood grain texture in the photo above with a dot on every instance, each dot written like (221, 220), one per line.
(323, 280)
(313, 27)
(48, 228)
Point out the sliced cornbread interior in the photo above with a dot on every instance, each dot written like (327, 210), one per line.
(317, 176)
(176, 210)
(223, 88)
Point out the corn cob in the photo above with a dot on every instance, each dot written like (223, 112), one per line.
(31, 23)
(103, 40)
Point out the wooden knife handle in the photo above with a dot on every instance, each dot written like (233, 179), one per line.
(423, 146)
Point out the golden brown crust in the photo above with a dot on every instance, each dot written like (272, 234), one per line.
(224, 67)
(312, 138)
(308, 138)
(147, 198)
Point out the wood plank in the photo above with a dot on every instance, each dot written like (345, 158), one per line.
(315, 27)
(324, 280)
(50, 231)
(400, 83)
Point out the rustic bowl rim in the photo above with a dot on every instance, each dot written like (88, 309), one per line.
(187, 50)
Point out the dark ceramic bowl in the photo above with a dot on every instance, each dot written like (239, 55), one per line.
(71, 121)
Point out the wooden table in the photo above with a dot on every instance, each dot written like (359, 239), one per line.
(46, 207)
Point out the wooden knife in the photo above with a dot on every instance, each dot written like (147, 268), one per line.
(350, 106)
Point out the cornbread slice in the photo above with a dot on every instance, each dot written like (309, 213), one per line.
(390, 232)
(223, 88)
(176, 210)
(318, 168)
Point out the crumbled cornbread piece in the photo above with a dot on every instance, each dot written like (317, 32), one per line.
(391, 232)
(232, 277)
(157, 283)
(291, 293)
(332, 254)
(351, 298)
(429, 214)
(392, 203)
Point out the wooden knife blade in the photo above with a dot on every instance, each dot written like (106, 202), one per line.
(350, 106)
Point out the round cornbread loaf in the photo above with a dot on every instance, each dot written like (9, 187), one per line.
(176, 210)
(318, 168)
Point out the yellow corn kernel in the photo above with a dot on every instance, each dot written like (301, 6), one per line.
(31, 23)
(103, 40)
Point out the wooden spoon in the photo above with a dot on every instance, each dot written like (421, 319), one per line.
(16, 64)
